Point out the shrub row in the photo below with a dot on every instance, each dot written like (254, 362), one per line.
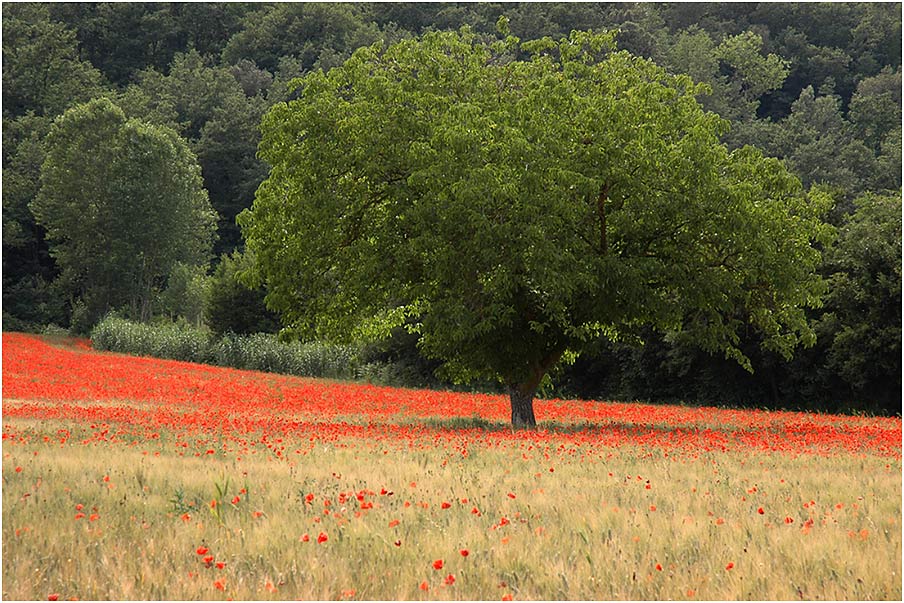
(259, 352)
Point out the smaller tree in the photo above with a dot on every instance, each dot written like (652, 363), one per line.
(186, 291)
(876, 106)
(820, 146)
(122, 203)
(862, 322)
(875, 112)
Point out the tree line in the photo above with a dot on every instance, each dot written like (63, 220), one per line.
(125, 100)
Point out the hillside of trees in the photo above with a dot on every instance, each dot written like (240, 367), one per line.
(109, 107)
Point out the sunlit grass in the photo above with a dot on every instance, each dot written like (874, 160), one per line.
(582, 523)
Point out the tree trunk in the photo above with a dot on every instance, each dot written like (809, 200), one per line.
(521, 392)
(522, 407)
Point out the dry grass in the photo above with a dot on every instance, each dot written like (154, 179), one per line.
(580, 526)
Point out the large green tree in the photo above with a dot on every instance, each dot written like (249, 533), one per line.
(512, 211)
(122, 203)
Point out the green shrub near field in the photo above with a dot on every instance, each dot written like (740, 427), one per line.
(259, 352)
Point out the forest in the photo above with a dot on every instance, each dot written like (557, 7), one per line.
(132, 143)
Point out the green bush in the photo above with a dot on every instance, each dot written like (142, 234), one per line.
(173, 341)
(259, 352)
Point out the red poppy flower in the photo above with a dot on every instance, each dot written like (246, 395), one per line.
(53, 597)
(510, 495)
(424, 586)
(760, 511)
(449, 580)
(221, 564)
(438, 564)
(445, 505)
(321, 538)
(219, 585)
(236, 500)
(208, 559)
(304, 538)
(393, 523)
(658, 567)
(202, 550)
(729, 566)
(507, 597)
(464, 552)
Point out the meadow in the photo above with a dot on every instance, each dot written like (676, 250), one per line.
(138, 478)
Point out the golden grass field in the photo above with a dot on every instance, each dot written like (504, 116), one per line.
(589, 529)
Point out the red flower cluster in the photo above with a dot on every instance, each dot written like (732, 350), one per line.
(74, 383)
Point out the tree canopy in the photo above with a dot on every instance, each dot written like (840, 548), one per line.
(511, 211)
(122, 203)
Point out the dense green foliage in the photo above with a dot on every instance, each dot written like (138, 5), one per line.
(233, 307)
(861, 326)
(122, 204)
(816, 85)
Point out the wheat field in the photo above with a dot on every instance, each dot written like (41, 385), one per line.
(101, 521)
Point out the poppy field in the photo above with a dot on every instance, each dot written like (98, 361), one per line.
(139, 478)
